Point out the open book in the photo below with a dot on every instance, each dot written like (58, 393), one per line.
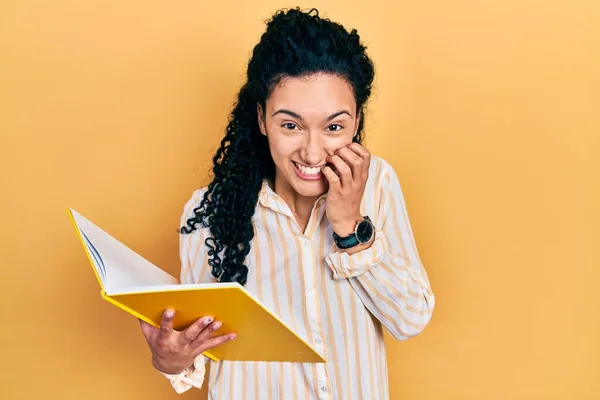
(135, 285)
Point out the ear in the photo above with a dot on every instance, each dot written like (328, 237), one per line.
(261, 119)
(358, 115)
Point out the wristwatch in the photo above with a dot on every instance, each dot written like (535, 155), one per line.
(363, 233)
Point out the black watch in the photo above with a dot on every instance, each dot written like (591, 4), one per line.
(363, 233)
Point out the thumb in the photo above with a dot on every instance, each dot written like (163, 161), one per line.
(147, 329)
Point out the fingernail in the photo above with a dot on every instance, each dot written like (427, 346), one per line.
(216, 325)
(169, 313)
(208, 321)
(232, 337)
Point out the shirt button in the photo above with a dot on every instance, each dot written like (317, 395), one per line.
(324, 388)
(306, 243)
(310, 292)
(318, 341)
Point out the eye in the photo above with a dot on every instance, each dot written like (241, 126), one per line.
(334, 130)
(289, 125)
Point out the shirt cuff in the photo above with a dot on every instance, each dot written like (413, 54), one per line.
(192, 376)
(346, 265)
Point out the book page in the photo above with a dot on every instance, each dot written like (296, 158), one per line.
(98, 262)
(182, 287)
(119, 266)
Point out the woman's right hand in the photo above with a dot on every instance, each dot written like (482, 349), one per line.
(173, 351)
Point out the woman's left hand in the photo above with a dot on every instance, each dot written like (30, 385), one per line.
(346, 188)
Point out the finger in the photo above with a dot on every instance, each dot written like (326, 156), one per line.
(216, 341)
(147, 330)
(365, 154)
(166, 325)
(206, 333)
(360, 150)
(332, 178)
(343, 169)
(192, 331)
(355, 161)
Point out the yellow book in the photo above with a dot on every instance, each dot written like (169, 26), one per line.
(137, 286)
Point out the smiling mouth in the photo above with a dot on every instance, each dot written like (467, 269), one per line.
(309, 172)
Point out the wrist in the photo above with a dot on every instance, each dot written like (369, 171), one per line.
(193, 375)
(346, 227)
(170, 369)
(358, 238)
(358, 248)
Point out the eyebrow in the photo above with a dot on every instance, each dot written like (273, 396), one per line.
(293, 114)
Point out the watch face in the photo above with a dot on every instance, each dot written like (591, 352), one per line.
(364, 231)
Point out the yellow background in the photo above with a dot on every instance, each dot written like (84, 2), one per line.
(488, 110)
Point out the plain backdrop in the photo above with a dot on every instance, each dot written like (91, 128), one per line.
(488, 111)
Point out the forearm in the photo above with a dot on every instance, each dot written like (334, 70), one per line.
(389, 285)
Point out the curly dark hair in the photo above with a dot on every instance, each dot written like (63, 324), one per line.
(295, 44)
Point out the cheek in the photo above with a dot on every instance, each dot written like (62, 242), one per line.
(332, 144)
(282, 146)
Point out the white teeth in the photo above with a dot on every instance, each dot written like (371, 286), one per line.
(308, 171)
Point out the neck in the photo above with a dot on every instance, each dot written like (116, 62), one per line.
(300, 205)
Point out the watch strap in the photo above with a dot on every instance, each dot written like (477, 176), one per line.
(350, 240)
(345, 242)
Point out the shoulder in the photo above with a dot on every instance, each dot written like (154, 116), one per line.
(380, 170)
(192, 204)
(383, 180)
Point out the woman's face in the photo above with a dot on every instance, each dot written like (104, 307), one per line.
(306, 119)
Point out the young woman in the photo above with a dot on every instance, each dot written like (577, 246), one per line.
(302, 215)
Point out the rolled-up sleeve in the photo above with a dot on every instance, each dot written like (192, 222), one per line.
(389, 277)
(192, 254)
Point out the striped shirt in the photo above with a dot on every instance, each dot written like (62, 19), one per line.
(339, 303)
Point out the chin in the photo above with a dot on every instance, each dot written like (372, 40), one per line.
(312, 192)
(309, 188)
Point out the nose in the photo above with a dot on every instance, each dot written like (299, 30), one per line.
(314, 150)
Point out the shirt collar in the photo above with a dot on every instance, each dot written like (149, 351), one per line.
(268, 198)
